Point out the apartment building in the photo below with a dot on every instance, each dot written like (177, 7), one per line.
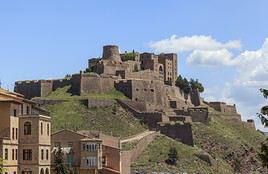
(88, 152)
(25, 132)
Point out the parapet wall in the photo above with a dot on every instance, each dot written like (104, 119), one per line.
(128, 157)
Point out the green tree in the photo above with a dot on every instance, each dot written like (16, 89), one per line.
(263, 154)
(187, 86)
(2, 170)
(59, 162)
(172, 156)
(195, 84)
(183, 84)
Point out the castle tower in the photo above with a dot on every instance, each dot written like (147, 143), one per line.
(111, 52)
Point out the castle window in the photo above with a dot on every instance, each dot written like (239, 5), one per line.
(137, 89)
(47, 171)
(42, 171)
(152, 90)
(136, 99)
(14, 112)
(27, 128)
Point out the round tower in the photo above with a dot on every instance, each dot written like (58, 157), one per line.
(111, 52)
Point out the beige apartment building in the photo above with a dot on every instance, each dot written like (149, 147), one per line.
(88, 152)
(25, 132)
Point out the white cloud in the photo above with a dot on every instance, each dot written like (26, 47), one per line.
(210, 57)
(201, 42)
(205, 50)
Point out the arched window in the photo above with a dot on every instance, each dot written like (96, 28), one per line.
(27, 128)
(47, 171)
(42, 171)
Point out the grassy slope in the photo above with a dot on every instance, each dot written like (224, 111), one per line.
(62, 93)
(110, 120)
(75, 116)
(232, 146)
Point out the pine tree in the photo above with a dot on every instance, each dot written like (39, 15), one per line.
(59, 162)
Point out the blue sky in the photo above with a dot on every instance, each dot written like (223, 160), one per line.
(222, 43)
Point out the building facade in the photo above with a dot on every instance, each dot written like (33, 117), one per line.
(87, 152)
(24, 135)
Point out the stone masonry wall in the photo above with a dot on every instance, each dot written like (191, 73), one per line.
(29, 89)
(131, 156)
(94, 83)
(183, 132)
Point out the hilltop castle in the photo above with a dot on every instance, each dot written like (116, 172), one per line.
(142, 77)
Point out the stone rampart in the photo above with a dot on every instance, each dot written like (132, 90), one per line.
(32, 88)
(199, 114)
(181, 132)
(92, 83)
(131, 156)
